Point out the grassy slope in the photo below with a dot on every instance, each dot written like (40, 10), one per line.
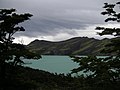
(77, 46)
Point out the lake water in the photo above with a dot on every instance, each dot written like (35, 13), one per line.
(53, 64)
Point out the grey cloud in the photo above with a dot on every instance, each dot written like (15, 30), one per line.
(45, 27)
(51, 17)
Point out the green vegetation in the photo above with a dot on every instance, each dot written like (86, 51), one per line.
(21, 78)
(11, 53)
(74, 46)
(103, 73)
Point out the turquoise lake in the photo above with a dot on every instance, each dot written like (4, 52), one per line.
(53, 64)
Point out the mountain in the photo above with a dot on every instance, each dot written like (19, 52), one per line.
(73, 46)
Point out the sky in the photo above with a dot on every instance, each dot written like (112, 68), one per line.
(57, 20)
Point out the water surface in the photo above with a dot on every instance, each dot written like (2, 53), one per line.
(53, 64)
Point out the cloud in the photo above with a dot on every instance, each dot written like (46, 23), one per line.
(58, 18)
(88, 32)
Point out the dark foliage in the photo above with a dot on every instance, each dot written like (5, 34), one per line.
(24, 78)
(11, 53)
(103, 73)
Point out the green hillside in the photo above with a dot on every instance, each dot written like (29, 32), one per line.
(74, 46)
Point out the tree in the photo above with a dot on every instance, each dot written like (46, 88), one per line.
(11, 53)
(112, 16)
(104, 72)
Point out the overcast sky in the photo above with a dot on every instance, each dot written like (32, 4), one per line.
(57, 20)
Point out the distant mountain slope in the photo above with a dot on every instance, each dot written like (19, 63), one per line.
(74, 46)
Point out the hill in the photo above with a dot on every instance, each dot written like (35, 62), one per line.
(73, 46)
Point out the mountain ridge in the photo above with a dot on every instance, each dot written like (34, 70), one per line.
(73, 46)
